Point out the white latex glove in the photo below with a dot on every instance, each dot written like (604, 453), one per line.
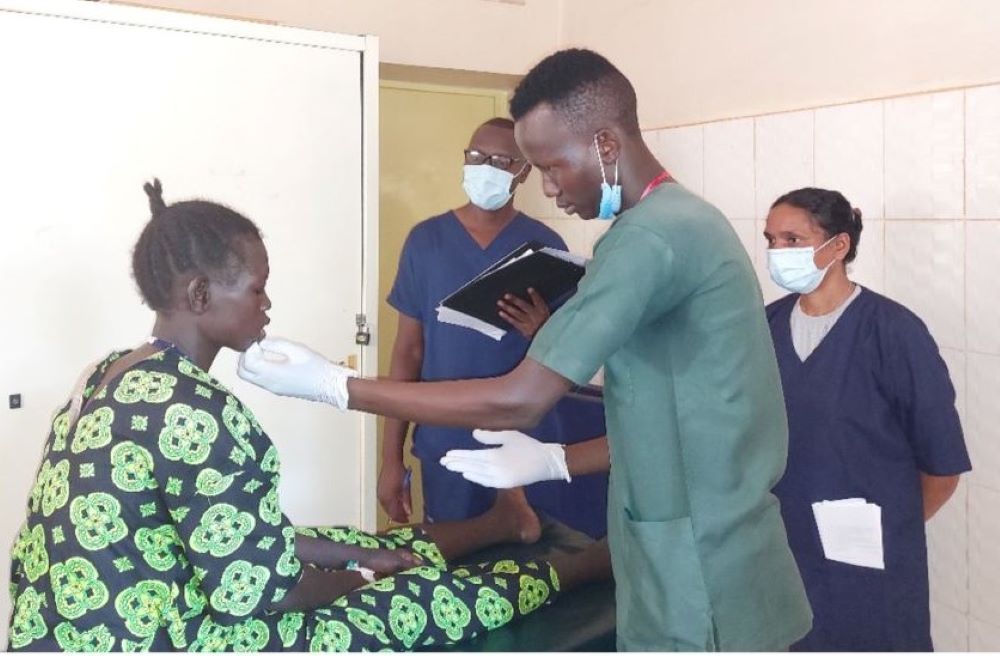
(518, 460)
(288, 368)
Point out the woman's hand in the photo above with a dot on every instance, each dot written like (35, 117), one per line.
(386, 562)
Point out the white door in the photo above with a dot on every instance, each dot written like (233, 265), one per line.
(95, 100)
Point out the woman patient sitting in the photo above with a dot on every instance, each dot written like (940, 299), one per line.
(155, 524)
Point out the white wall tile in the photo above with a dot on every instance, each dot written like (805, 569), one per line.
(924, 270)
(949, 628)
(984, 556)
(868, 268)
(746, 230)
(682, 152)
(982, 285)
(924, 150)
(784, 156)
(982, 427)
(947, 552)
(729, 174)
(849, 154)
(955, 359)
(982, 148)
(984, 636)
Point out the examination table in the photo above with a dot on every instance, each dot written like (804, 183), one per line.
(582, 620)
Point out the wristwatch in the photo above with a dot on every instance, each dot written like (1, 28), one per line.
(366, 573)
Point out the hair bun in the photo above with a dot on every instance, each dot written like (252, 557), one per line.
(155, 193)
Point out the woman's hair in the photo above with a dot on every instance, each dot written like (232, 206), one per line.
(193, 235)
(830, 210)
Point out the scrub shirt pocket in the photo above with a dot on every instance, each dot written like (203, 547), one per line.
(666, 597)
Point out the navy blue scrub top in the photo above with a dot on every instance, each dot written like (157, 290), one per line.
(869, 410)
(438, 257)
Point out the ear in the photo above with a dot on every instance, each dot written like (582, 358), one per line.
(609, 145)
(197, 294)
(841, 246)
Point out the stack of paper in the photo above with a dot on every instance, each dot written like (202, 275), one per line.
(851, 531)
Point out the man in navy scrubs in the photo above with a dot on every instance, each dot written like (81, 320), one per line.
(440, 255)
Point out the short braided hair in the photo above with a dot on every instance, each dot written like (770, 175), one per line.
(189, 236)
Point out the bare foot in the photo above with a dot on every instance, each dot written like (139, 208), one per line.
(390, 561)
(512, 506)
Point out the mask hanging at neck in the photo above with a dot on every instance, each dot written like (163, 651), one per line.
(611, 195)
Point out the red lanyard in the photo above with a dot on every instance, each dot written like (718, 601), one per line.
(656, 182)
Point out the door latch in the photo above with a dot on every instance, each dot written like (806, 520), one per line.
(363, 337)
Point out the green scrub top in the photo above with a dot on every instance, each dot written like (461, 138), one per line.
(696, 422)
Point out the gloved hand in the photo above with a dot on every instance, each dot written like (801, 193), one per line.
(288, 368)
(518, 460)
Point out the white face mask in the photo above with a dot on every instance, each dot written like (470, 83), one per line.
(487, 186)
(794, 269)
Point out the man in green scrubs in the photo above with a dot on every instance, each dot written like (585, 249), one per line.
(671, 308)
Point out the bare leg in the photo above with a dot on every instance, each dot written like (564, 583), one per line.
(591, 564)
(510, 519)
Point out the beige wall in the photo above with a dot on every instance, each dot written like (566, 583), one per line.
(480, 35)
(690, 61)
(698, 61)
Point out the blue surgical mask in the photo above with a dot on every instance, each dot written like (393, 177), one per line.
(487, 186)
(794, 269)
(611, 195)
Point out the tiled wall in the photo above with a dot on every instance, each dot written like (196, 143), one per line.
(925, 171)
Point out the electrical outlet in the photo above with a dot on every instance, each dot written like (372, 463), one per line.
(15, 401)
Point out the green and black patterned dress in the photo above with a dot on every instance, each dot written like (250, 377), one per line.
(155, 525)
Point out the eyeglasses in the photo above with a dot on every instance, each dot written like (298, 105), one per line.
(504, 162)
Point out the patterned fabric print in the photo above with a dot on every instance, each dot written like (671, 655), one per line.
(427, 605)
(97, 639)
(27, 624)
(93, 430)
(60, 430)
(97, 520)
(239, 426)
(51, 490)
(151, 387)
(188, 434)
(132, 467)
(155, 524)
(30, 551)
(77, 588)
(141, 533)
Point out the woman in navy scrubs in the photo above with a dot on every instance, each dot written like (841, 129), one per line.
(871, 415)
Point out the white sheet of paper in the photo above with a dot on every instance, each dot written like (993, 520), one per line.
(566, 256)
(851, 531)
(447, 315)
